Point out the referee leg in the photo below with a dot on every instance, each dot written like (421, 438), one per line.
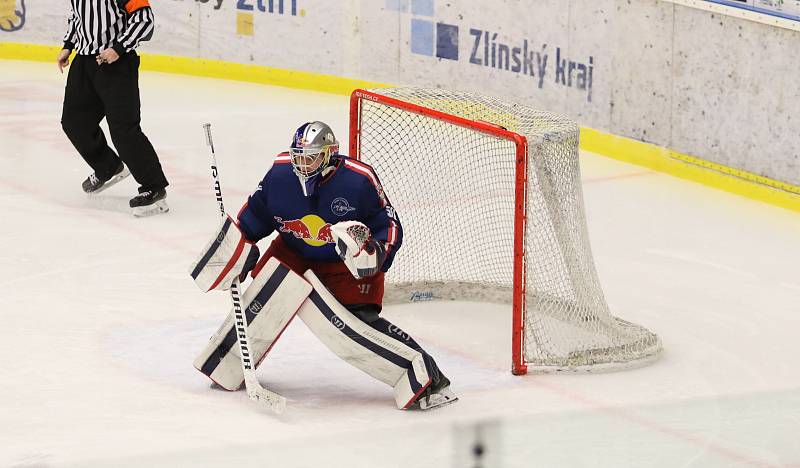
(81, 116)
(118, 86)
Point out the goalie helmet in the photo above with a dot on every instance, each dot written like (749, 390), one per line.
(311, 150)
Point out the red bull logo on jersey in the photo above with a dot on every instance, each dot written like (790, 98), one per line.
(325, 234)
(312, 229)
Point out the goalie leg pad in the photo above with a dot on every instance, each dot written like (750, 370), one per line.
(269, 304)
(379, 355)
(224, 258)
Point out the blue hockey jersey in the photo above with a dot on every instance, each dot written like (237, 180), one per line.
(351, 191)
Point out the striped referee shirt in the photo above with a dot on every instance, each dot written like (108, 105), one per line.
(95, 25)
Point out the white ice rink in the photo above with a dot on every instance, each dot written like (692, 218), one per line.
(101, 321)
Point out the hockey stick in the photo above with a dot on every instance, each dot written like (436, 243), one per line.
(255, 390)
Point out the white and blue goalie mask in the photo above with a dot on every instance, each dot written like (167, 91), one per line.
(311, 150)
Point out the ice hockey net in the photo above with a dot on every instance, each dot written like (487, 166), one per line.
(490, 198)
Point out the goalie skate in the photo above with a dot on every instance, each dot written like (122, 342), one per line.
(433, 398)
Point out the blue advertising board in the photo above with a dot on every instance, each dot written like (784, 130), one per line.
(787, 9)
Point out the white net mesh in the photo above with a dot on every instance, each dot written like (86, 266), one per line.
(453, 188)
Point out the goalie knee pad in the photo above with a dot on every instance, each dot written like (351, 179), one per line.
(381, 356)
(269, 304)
(225, 257)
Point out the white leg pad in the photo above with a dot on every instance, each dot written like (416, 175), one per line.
(269, 303)
(389, 360)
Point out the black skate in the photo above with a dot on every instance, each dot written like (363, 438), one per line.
(436, 395)
(94, 185)
(149, 203)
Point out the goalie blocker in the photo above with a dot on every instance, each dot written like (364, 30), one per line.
(380, 349)
(228, 255)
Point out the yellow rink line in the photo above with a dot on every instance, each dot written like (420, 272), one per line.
(208, 68)
(620, 148)
(688, 167)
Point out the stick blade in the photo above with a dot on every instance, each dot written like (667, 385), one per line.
(264, 398)
(267, 399)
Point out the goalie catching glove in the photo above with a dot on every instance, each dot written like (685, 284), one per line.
(362, 254)
(227, 256)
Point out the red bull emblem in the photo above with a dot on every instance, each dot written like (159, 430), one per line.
(295, 227)
(325, 234)
(312, 229)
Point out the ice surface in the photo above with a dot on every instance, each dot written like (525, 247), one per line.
(101, 321)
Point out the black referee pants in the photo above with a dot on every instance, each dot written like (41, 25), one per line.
(112, 91)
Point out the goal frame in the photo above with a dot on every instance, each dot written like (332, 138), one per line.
(518, 365)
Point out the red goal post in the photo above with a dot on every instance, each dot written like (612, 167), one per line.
(407, 134)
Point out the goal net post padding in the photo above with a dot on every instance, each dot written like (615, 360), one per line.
(489, 195)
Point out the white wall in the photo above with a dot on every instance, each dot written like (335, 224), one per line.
(720, 88)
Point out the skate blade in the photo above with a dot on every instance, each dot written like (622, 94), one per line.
(439, 405)
(150, 210)
(112, 181)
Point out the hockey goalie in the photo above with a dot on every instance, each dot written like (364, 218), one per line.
(337, 236)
